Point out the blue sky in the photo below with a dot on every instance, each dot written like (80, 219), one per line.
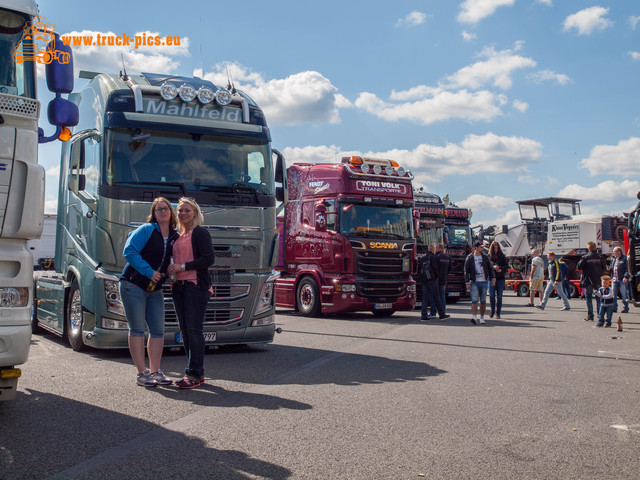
(489, 101)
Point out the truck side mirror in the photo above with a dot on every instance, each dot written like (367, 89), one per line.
(280, 177)
(60, 112)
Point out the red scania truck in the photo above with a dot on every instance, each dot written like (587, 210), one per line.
(348, 238)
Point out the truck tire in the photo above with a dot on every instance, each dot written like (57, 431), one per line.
(74, 317)
(308, 297)
(523, 289)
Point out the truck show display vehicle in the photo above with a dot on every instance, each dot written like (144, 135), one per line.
(21, 178)
(150, 135)
(348, 238)
(458, 245)
(430, 211)
(634, 253)
(556, 224)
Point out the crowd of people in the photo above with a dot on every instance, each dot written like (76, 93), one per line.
(486, 274)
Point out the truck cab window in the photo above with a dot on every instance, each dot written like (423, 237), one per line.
(91, 166)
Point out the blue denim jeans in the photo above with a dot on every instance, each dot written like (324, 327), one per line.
(622, 288)
(588, 296)
(495, 295)
(431, 293)
(190, 302)
(606, 312)
(479, 292)
(144, 310)
(551, 286)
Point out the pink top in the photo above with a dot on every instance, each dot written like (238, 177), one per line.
(183, 253)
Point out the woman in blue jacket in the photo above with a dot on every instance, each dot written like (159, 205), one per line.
(148, 253)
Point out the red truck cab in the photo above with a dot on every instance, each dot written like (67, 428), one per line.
(348, 238)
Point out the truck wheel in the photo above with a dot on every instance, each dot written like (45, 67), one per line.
(523, 289)
(573, 291)
(74, 318)
(308, 297)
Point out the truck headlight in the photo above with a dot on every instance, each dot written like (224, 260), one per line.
(112, 296)
(265, 299)
(264, 321)
(14, 297)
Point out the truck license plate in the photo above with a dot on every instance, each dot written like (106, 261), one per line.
(209, 337)
(453, 294)
(382, 306)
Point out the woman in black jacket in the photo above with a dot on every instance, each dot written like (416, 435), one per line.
(191, 290)
(500, 265)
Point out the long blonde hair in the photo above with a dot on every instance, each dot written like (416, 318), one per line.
(198, 219)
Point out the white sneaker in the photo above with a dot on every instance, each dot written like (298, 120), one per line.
(161, 378)
(481, 321)
(145, 379)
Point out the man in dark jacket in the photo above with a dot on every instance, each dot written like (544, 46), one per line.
(478, 273)
(442, 264)
(430, 290)
(593, 266)
(619, 278)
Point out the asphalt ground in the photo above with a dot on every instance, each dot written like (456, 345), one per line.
(534, 395)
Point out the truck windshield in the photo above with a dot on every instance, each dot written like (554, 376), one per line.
(197, 162)
(428, 235)
(375, 221)
(17, 73)
(459, 236)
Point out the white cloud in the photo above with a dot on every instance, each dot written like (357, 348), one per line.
(528, 180)
(549, 76)
(413, 19)
(437, 105)
(497, 69)
(588, 20)
(305, 97)
(482, 202)
(472, 11)
(510, 217)
(468, 37)
(608, 191)
(487, 153)
(51, 206)
(635, 55)
(545, 2)
(633, 21)
(620, 159)
(520, 105)
(110, 58)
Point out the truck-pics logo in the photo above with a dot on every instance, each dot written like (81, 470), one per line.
(388, 245)
(375, 186)
(38, 43)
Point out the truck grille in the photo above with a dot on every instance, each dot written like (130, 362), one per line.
(217, 313)
(380, 276)
(19, 106)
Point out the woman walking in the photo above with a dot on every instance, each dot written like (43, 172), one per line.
(148, 252)
(500, 265)
(192, 257)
